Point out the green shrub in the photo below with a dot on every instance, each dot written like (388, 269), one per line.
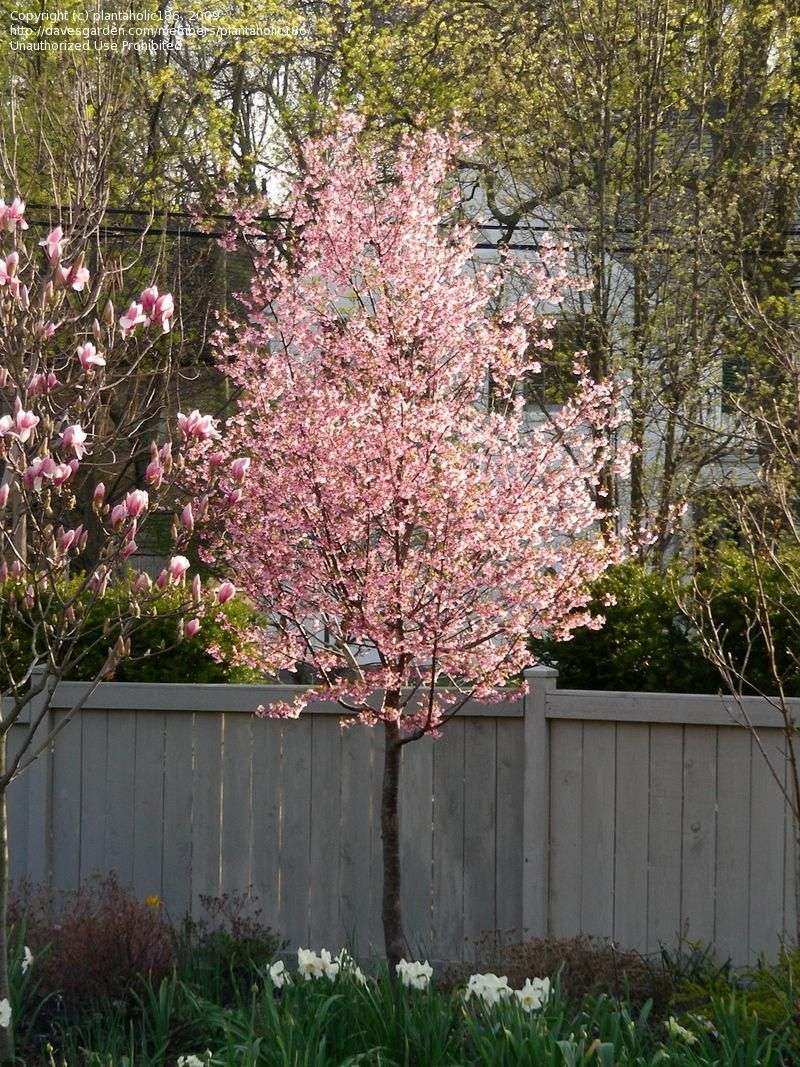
(646, 643)
(156, 655)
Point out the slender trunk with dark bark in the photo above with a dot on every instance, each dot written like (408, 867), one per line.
(394, 939)
(6, 1033)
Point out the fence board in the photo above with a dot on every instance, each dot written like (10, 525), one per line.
(566, 784)
(699, 833)
(267, 746)
(120, 787)
(178, 788)
(597, 829)
(731, 934)
(632, 836)
(480, 761)
(93, 727)
(67, 806)
(508, 875)
(296, 871)
(766, 853)
(206, 809)
(354, 869)
(326, 776)
(448, 842)
(148, 804)
(237, 738)
(666, 788)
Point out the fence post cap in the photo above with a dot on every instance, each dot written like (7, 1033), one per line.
(541, 670)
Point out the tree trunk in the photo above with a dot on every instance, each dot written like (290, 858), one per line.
(6, 1033)
(394, 939)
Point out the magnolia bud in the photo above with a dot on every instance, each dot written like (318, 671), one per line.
(97, 331)
(108, 313)
(197, 589)
(98, 496)
(187, 518)
(24, 297)
(4, 491)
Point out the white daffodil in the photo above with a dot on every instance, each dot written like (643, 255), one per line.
(5, 1013)
(533, 994)
(27, 959)
(675, 1030)
(190, 1061)
(348, 966)
(489, 988)
(413, 974)
(330, 965)
(278, 974)
(309, 964)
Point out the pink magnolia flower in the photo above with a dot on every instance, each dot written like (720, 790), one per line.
(154, 473)
(25, 422)
(187, 518)
(42, 383)
(194, 424)
(53, 244)
(99, 495)
(225, 591)
(177, 567)
(191, 628)
(75, 276)
(136, 502)
(5, 488)
(148, 298)
(240, 467)
(119, 513)
(143, 583)
(163, 311)
(13, 214)
(128, 549)
(89, 357)
(132, 318)
(74, 437)
(46, 330)
(8, 268)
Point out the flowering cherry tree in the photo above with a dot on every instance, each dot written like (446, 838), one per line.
(80, 387)
(405, 533)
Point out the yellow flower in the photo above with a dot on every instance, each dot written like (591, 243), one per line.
(153, 901)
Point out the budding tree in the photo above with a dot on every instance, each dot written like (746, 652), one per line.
(81, 388)
(391, 514)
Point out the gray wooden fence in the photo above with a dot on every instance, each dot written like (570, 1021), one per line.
(636, 816)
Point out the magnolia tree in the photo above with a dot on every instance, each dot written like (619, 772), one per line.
(80, 386)
(405, 535)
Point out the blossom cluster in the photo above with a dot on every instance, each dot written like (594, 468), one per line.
(396, 512)
(311, 966)
(491, 989)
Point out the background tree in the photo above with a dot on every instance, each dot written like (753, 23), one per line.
(403, 536)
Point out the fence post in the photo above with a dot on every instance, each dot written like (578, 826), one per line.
(536, 803)
(39, 785)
